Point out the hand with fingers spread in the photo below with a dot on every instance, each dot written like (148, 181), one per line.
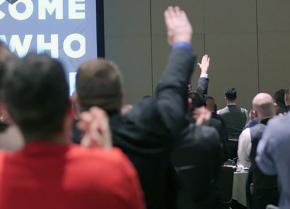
(95, 126)
(204, 64)
(178, 26)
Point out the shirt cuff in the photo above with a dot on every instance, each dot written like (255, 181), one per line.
(203, 75)
(182, 44)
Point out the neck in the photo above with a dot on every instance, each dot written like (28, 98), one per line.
(61, 138)
(231, 102)
(265, 118)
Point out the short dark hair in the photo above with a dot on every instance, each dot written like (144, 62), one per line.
(37, 95)
(279, 97)
(98, 83)
(231, 94)
(196, 99)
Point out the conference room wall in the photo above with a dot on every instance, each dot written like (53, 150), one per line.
(128, 43)
(274, 44)
(248, 42)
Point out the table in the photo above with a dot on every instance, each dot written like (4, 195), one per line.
(239, 187)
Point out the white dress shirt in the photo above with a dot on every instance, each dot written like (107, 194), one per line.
(244, 148)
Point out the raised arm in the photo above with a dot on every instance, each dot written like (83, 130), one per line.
(202, 85)
(171, 92)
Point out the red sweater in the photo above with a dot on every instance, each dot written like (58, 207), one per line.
(49, 176)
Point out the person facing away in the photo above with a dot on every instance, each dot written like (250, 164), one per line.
(10, 137)
(148, 132)
(265, 189)
(272, 155)
(235, 119)
(49, 172)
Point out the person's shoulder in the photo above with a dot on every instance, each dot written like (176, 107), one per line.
(279, 123)
(246, 131)
(244, 110)
(99, 161)
(4, 156)
(201, 133)
(113, 155)
(223, 110)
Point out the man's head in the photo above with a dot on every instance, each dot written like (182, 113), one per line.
(98, 83)
(231, 95)
(37, 96)
(210, 104)
(263, 105)
(195, 100)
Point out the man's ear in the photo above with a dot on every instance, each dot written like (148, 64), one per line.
(254, 113)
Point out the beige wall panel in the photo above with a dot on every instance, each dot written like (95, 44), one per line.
(132, 54)
(127, 42)
(161, 52)
(273, 15)
(230, 16)
(233, 64)
(127, 18)
(274, 49)
(194, 9)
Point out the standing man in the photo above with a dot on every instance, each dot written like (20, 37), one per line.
(148, 132)
(235, 118)
(272, 155)
(265, 189)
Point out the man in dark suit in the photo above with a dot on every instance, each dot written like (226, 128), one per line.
(198, 99)
(235, 118)
(198, 156)
(147, 133)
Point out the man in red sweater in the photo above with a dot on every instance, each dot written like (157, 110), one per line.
(49, 172)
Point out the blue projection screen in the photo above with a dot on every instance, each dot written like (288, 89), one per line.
(63, 29)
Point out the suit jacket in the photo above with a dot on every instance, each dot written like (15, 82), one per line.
(197, 160)
(147, 133)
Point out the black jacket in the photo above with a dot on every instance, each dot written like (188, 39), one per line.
(147, 133)
(197, 160)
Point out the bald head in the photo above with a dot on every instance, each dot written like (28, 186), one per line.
(263, 104)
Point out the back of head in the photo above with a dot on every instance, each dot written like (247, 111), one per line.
(210, 104)
(98, 83)
(37, 95)
(263, 104)
(197, 100)
(231, 94)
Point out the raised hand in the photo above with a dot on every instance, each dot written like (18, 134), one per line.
(95, 127)
(178, 25)
(204, 64)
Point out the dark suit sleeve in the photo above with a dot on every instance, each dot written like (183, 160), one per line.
(202, 86)
(171, 92)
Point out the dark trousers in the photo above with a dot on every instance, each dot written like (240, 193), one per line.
(232, 149)
(264, 197)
